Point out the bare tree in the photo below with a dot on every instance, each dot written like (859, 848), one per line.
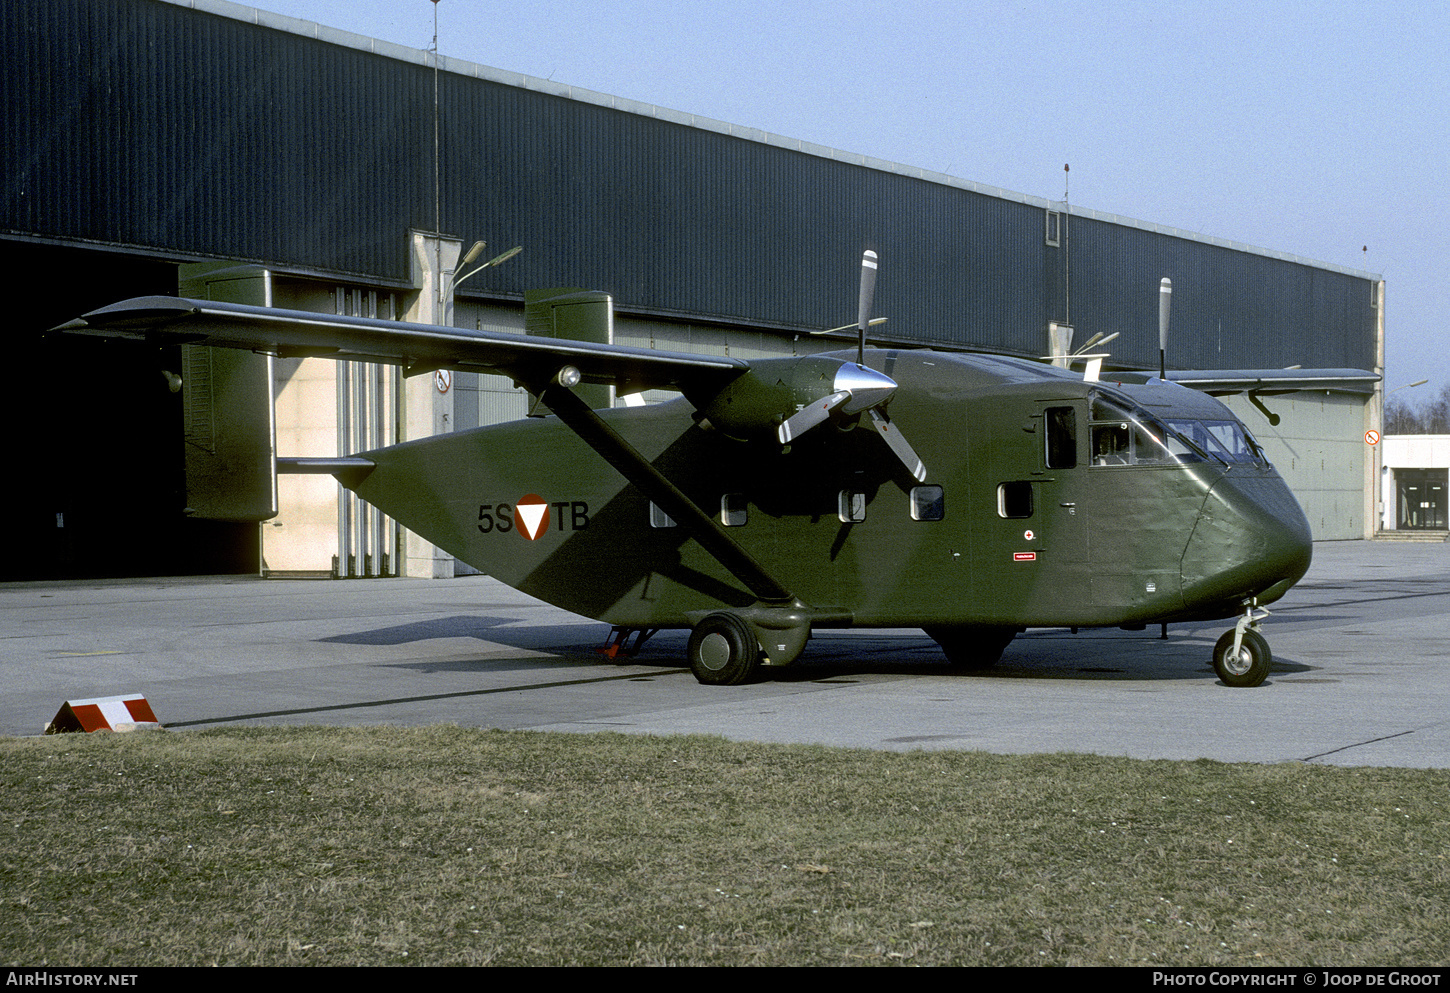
(1437, 414)
(1401, 417)
(1430, 416)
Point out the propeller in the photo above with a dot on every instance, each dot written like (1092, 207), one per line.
(1094, 360)
(857, 389)
(1093, 371)
(847, 327)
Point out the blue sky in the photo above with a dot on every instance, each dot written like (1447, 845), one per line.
(1319, 129)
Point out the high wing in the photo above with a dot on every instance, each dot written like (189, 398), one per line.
(1259, 383)
(1271, 382)
(529, 360)
(545, 366)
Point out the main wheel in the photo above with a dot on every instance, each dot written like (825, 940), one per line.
(972, 647)
(724, 650)
(1249, 667)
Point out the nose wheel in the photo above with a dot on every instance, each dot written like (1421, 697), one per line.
(1242, 656)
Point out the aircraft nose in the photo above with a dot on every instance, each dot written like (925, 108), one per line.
(1251, 540)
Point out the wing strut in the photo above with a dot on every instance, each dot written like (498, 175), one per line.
(633, 466)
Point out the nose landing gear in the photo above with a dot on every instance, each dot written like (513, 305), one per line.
(1242, 656)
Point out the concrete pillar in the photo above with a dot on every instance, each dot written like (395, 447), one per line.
(1375, 491)
(428, 397)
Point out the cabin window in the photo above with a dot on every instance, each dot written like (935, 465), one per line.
(928, 503)
(1061, 438)
(658, 518)
(1014, 500)
(851, 506)
(733, 512)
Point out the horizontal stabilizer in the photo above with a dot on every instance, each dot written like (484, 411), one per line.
(349, 470)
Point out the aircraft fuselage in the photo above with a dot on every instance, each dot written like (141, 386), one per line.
(1048, 502)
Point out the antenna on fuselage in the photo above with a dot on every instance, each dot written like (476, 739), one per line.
(1165, 303)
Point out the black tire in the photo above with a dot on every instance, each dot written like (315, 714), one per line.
(1250, 668)
(972, 647)
(724, 650)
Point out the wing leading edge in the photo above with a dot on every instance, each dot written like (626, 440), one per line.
(530, 360)
(1270, 382)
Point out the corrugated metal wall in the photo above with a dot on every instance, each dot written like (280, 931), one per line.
(181, 133)
(1231, 309)
(151, 126)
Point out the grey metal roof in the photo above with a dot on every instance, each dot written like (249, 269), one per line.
(461, 67)
(207, 130)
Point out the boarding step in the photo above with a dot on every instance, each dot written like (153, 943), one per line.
(1408, 535)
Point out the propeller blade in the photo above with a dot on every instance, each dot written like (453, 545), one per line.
(897, 444)
(1165, 301)
(809, 416)
(846, 327)
(868, 292)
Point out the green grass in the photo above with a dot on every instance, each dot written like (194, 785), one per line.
(444, 845)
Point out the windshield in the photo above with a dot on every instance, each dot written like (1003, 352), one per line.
(1126, 434)
(1226, 440)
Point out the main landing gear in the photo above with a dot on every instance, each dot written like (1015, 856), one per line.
(1242, 657)
(730, 647)
(724, 650)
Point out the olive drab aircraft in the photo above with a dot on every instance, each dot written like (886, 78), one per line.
(973, 496)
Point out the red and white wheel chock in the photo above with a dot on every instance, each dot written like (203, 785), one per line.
(104, 713)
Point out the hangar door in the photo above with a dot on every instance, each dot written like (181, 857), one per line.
(1318, 447)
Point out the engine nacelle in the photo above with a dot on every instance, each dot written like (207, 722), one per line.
(758, 402)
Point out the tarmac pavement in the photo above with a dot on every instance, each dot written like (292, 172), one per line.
(1361, 671)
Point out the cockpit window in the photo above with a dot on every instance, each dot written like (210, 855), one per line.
(1225, 440)
(1123, 435)
(1126, 434)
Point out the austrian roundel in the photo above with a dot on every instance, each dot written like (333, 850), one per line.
(531, 514)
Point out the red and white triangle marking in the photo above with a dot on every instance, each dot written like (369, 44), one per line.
(531, 514)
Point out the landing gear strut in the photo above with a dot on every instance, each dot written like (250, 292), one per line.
(1242, 656)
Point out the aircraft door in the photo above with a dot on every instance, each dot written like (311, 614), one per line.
(1030, 536)
(1064, 511)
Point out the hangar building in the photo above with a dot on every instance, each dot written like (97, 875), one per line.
(211, 149)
